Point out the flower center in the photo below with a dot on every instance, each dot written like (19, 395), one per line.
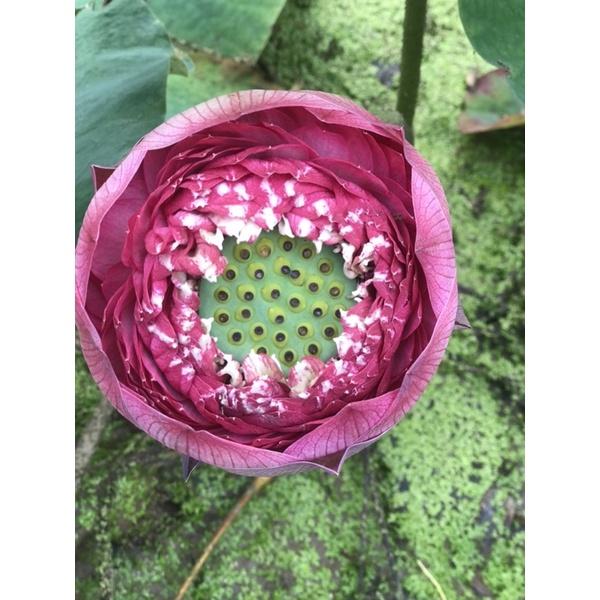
(277, 296)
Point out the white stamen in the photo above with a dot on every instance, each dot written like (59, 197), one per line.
(215, 239)
(205, 265)
(191, 220)
(237, 211)
(268, 216)
(166, 261)
(305, 376)
(157, 299)
(162, 336)
(240, 190)
(223, 188)
(321, 207)
(274, 199)
(284, 228)
(289, 187)
(207, 324)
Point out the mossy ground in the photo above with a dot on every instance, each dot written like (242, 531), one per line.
(446, 485)
(88, 395)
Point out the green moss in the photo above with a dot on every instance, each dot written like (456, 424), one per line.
(307, 536)
(87, 396)
(343, 47)
(446, 485)
(446, 481)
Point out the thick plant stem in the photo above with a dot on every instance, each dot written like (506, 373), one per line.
(410, 65)
(255, 487)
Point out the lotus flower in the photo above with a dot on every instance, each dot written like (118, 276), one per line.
(266, 283)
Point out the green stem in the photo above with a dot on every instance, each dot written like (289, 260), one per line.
(410, 65)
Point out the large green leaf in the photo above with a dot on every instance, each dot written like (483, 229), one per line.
(122, 63)
(496, 28)
(230, 28)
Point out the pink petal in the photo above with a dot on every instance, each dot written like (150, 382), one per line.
(261, 365)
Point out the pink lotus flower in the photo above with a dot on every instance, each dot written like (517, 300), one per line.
(321, 171)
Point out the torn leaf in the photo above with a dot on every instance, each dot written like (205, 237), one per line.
(490, 104)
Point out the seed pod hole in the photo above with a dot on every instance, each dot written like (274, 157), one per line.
(221, 295)
(256, 271)
(296, 303)
(243, 314)
(258, 331)
(242, 252)
(319, 309)
(264, 248)
(246, 292)
(325, 266)
(313, 349)
(297, 277)
(236, 336)
(329, 332)
(269, 291)
(314, 284)
(276, 314)
(222, 317)
(280, 338)
(305, 330)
